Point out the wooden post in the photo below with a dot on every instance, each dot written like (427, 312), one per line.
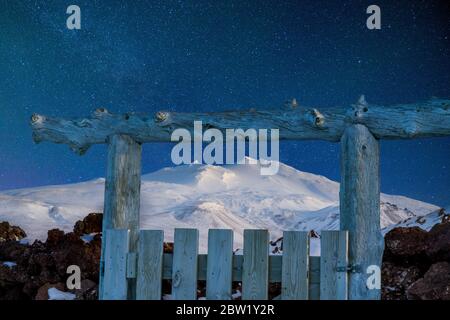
(360, 207)
(122, 195)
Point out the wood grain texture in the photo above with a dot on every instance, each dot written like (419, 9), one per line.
(115, 276)
(122, 192)
(185, 262)
(360, 206)
(255, 273)
(295, 266)
(149, 267)
(219, 264)
(425, 119)
(334, 253)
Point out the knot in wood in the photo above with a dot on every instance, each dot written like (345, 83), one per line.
(356, 113)
(316, 118)
(177, 279)
(35, 118)
(161, 116)
(84, 123)
(410, 129)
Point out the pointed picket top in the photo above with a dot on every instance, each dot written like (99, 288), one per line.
(317, 119)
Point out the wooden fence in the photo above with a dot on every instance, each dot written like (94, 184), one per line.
(301, 276)
(358, 128)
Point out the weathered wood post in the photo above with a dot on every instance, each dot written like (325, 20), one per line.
(360, 207)
(122, 194)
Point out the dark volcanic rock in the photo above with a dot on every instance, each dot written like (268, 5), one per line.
(435, 285)
(406, 246)
(91, 224)
(168, 247)
(10, 233)
(45, 263)
(9, 290)
(396, 279)
(54, 237)
(438, 248)
(71, 250)
(11, 251)
(416, 263)
(88, 290)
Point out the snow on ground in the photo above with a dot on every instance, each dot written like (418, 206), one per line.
(425, 222)
(9, 264)
(203, 196)
(55, 294)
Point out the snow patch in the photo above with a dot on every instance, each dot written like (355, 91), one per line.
(88, 237)
(9, 264)
(425, 222)
(55, 294)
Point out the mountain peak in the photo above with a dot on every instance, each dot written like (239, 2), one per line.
(203, 196)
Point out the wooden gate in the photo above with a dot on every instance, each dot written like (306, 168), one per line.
(358, 128)
(302, 277)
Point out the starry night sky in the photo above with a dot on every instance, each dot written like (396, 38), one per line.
(204, 56)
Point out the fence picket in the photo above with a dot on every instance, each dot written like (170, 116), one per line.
(185, 262)
(255, 276)
(295, 266)
(302, 277)
(115, 273)
(219, 264)
(150, 262)
(334, 256)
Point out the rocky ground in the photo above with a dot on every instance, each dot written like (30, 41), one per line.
(28, 271)
(416, 263)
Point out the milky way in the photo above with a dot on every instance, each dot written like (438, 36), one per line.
(203, 56)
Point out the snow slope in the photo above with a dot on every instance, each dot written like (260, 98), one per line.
(425, 222)
(203, 197)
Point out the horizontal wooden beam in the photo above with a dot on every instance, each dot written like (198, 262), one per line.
(275, 270)
(418, 120)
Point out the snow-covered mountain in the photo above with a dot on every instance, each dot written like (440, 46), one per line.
(203, 197)
(425, 222)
